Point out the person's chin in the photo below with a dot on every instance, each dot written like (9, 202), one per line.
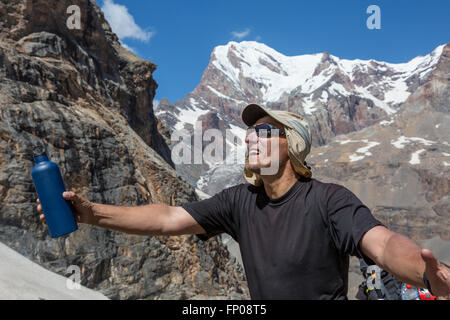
(253, 168)
(256, 166)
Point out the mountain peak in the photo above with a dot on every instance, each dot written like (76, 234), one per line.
(273, 72)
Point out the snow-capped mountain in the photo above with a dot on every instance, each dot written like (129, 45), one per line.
(337, 96)
(380, 129)
(251, 71)
(316, 76)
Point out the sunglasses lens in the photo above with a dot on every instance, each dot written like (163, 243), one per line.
(263, 133)
(263, 130)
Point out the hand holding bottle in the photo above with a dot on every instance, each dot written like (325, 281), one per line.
(82, 208)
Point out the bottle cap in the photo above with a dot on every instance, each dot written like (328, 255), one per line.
(39, 150)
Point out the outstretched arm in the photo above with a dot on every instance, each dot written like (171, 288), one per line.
(153, 219)
(404, 259)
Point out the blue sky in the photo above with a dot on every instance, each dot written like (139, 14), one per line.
(179, 35)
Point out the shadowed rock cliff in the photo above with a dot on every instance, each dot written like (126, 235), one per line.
(90, 101)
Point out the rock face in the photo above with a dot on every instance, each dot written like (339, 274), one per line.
(90, 101)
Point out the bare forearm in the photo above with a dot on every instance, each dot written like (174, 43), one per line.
(140, 220)
(402, 258)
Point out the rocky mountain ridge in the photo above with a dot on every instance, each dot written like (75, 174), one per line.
(397, 162)
(400, 166)
(337, 96)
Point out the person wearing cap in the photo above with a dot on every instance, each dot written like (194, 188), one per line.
(295, 233)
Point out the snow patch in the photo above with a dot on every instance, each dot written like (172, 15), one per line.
(309, 105)
(193, 102)
(361, 153)
(398, 94)
(23, 279)
(348, 141)
(401, 141)
(415, 157)
(189, 116)
(386, 122)
(365, 150)
(354, 157)
(379, 103)
(315, 82)
(324, 96)
(223, 64)
(338, 89)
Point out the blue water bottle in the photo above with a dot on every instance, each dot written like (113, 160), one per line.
(50, 187)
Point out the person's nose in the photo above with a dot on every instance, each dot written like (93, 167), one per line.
(252, 137)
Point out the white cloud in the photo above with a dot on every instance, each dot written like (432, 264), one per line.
(128, 47)
(122, 22)
(240, 34)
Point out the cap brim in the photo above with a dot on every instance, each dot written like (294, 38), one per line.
(252, 113)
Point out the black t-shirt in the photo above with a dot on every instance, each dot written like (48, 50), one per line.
(293, 247)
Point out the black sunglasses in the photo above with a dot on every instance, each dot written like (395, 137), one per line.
(265, 126)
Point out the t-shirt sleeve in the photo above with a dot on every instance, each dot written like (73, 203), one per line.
(215, 214)
(349, 219)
